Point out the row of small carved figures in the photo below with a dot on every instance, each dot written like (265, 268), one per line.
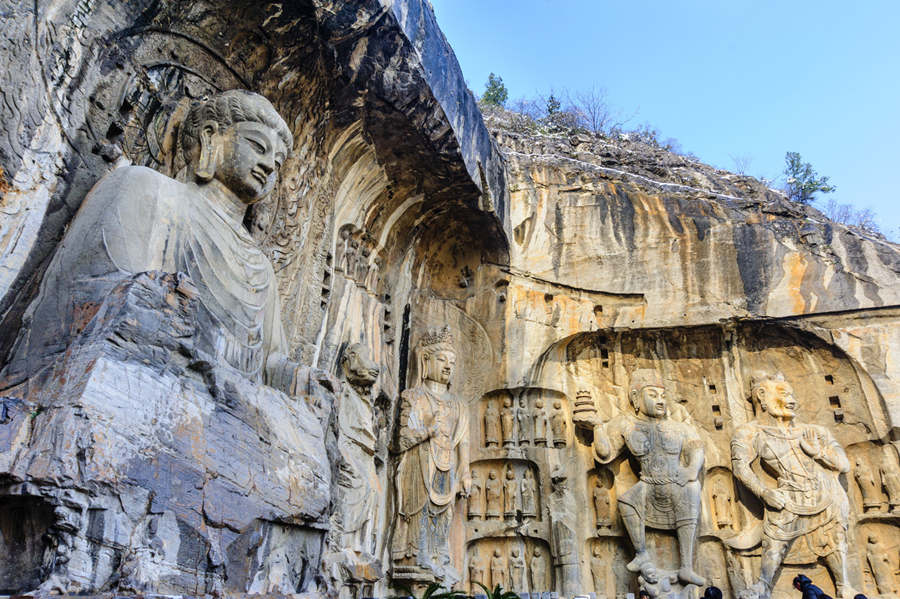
(492, 498)
(517, 425)
(871, 484)
(510, 573)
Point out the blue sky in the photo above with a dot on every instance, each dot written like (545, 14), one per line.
(725, 78)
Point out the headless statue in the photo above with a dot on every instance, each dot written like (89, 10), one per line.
(136, 220)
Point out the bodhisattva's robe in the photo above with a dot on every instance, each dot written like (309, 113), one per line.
(136, 220)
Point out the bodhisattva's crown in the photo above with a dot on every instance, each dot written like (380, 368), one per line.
(437, 337)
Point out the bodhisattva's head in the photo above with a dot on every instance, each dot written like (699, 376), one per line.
(648, 395)
(237, 138)
(773, 396)
(437, 358)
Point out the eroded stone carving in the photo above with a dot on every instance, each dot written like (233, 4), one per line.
(498, 569)
(529, 495)
(517, 580)
(558, 424)
(494, 494)
(808, 503)
(523, 420)
(890, 478)
(721, 504)
(354, 525)
(869, 486)
(491, 425)
(512, 501)
(475, 503)
(476, 572)
(601, 499)
(433, 465)
(881, 565)
(667, 496)
(507, 423)
(540, 423)
(538, 569)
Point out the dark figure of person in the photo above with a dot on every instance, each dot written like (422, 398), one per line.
(712, 593)
(643, 594)
(809, 590)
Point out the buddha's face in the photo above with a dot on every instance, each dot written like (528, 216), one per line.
(652, 402)
(777, 399)
(439, 366)
(251, 154)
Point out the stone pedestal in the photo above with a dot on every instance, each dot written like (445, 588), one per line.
(138, 465)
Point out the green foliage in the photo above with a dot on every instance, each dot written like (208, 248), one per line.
(498, 592)
(494, 91)
(430, 593)
(553, 105)
(803, 182)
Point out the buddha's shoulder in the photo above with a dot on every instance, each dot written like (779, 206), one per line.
(137, 186)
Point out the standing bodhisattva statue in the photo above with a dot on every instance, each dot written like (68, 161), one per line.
(433, 467)
(808, 503)
(670, 454)
(136, 219)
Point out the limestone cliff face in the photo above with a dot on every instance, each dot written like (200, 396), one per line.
(644, 238)
(625, 256)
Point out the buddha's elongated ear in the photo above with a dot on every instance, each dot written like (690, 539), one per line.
(210, 151)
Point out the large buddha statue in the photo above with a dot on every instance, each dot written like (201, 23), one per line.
(136, 220)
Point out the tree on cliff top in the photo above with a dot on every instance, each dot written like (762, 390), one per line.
(803, 182)
(494, 91)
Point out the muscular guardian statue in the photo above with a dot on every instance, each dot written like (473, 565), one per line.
(433, 466)
(808, 503)
(670, 454)
(136, 219)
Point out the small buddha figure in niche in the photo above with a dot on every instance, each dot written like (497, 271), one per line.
(601, 504)
(493, 490)
(881, 565)
(558, 424)
(476, 572)
(721, 501)
(890, 478)
(498, 570)
(517, 570)
(136, 220)
(599, 569)
(523, 419)
(491, 425)
(540, 423)
(538, 568)
(529, 495)
(869, 486)
(507, 423)
(476, 498)
(512, 502)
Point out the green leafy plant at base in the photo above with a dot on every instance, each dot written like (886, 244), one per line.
(498, 592)
(430, 593)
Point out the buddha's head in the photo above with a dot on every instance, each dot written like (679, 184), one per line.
(773, 396)
(237, 138)
(648, 395)
(437, 358)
